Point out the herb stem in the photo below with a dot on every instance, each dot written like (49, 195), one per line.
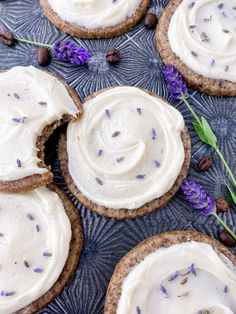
(22, 40)
(225, 226)
(191, 109)
(215, 147)
(226, 165)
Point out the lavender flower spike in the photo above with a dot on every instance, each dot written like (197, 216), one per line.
(177, 87)
(68, 51)
(196, 195)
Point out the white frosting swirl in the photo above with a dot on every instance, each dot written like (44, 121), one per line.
(35, 235)
(121, 150)
(202, 33)
(93, 14)
(213, 288)
(30, 100)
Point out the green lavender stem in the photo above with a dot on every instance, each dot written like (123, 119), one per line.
(191, 110)
(225, 226)
(216, 148)
(226, 166)
(22, 40)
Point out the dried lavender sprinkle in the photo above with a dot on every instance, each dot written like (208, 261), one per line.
(192, 26)
(191, 5)
(213, 61)
(99, 181)
(226, 69)
(26, 264)
(19, 120)
(192, 269)
(174, 276)
(208, 19)
(205, 37)
(42, 103)
(224, 14)
(154, 134)
(107, 112)
(18, 162)
(140, 176)
(1, 235)
(184, 281)
(220, 6)
(30, 217)
(115, 134)
(120, 159)
(7, 293)
(46, 254)
(16, 96)
(38, 270)
(164, 292)
(194, 53)
(157, 164)
(225, 31)
(138, 311)
(37, 228)
(100, 152)
(225, 289)
(186, 294)
(139, 110)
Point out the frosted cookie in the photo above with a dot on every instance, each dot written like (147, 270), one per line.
(95, 18)
(199, 38)
(176, 272)
(40, 241)
(32, 104)
(127, 155)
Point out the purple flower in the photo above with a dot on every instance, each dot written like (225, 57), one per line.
(177, 87)
(196, 195)
(68, 51)
(138, 311)
(193, 269)
(174, 276)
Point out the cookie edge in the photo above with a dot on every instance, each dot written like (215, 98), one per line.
(146, 247)
(215, 87)
(82, 32)
(36, 180)
(76, 246)
(122, 214)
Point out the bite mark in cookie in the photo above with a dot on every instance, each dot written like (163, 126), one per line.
(33, 103)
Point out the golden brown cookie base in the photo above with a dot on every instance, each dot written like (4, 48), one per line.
(36, 180)
(76, 246)
(121, 214)
(207, 85)
(137, 255)
(82, 32)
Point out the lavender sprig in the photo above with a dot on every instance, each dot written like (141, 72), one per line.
(68, 51)
(178, 90)
(196, 195)
(63, 50)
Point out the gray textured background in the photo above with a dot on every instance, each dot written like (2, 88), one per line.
(106, 240)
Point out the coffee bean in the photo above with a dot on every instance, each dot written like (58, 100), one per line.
(150, 20)
(6, 38)
(43, 56)
(205, 163)
(227, 239)
(222, 205)
(113, 56)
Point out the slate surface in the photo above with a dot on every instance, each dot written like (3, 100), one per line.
(106, 240)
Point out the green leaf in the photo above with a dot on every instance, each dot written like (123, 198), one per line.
(208, 133)
(232, 193)
(199, 130)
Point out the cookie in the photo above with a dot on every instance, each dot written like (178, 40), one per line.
(199, 39)
(118, 158)
(171, 272)
(41, 241)
(33, 104)
(90, 19)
